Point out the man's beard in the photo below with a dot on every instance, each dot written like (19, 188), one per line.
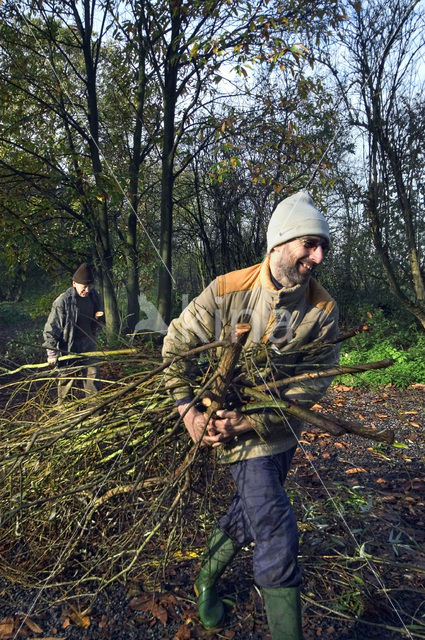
(289, 274)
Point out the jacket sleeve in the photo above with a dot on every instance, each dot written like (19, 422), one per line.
(53, 329)
(195, 326)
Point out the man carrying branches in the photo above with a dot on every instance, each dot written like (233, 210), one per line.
(286, 310)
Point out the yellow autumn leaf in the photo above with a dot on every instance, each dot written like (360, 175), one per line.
(188, 555)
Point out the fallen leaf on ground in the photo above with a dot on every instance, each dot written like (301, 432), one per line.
(183, 633)
(103, 622)
(33, 626)
(6, 628)
(187, 555)
(160, 613)
(142, 601)
(356, 470)
(80, 620)
(151, 602)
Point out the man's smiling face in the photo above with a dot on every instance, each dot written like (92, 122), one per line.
(293, 262)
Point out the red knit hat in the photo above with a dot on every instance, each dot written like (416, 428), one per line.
(84, 274)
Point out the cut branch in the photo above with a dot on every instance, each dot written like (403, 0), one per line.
(331, 424)
(323, 373)
(319, 342)
(225, 370)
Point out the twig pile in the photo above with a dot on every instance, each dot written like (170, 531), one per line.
(100, 487)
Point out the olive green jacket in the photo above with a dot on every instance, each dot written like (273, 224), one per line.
(283, 321)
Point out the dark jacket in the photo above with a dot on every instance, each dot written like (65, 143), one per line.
(59, 329)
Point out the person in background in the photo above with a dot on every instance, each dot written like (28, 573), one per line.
(287, 310)
(73, 324)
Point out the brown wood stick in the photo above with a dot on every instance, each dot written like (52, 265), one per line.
(225, 369)
(339, 338)
(335, 426)
(323, 373)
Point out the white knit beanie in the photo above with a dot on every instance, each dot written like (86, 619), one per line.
(294, 217)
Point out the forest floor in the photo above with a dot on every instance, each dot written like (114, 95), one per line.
(360, 509)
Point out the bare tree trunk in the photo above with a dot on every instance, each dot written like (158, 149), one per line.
(104, 252)
(167, 177)
(130, 245)
(100, 212)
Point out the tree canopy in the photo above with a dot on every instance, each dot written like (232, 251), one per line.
(155, 138)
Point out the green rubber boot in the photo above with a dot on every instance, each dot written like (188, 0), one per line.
(220, 552)
(283, 608)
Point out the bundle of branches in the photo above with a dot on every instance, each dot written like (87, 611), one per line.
(100, 488)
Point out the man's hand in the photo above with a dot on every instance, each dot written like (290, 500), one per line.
(52, 361)
(194, 421)
(224, 428)
(227, 426)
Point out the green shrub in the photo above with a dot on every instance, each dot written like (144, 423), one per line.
(406, 346)
(11, 313)
(22, 336)
(39, 305)
(24, 347)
